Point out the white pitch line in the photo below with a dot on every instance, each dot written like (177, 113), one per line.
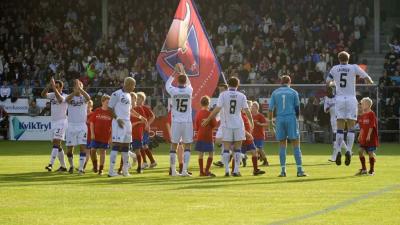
(339, 205)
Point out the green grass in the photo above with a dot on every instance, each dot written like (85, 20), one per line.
(29, 195)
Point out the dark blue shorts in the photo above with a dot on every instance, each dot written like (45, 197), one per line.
(202, 146)
(146, 138)
(250, 147)
(97, 145)
(369, 149)
(259, 143)
(136, 144)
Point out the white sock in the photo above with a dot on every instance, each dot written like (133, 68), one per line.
(339, 140)
(172, 160)
(131, 154)
(53, 155)
(125, 161)
(82, 159)
(61, 158)
(113, 158)
(226, 158)
(237, 157)
(334, 153)
(350, 140)
(186, 159)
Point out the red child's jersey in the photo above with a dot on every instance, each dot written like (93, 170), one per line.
(204, 134)
(259, 131)
(138, 129)
(247, 128)
(367, 121)
(148, 113)
(101, 120)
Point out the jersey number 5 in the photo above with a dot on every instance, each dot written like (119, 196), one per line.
(181, 105)
(343, 80)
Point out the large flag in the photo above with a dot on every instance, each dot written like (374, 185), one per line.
(187, 43)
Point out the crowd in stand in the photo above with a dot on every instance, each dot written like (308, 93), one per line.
(256, 40)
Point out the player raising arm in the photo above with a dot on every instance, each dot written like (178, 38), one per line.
(58, 121)
(77, 128)
(182, 123)
(343, 76)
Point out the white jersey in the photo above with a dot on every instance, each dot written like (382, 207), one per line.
(231, 103)
(121, 102)
(344, 76)
(58, 110)
(329, 104)
(77, 110)
(181, 97)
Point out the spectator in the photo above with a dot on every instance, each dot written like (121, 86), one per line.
(33, 110)
(46, 111)
(27, 90)
(3, 123)
(5, 91)
(309, 114)
(15, 92)
(160, 110)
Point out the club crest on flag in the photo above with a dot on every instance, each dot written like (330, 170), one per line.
(187, 44)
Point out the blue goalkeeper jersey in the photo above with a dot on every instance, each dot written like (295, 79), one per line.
(286, 102)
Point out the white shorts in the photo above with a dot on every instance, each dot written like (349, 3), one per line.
(76, 134)
(233, 134)
(182, 132)
(219, 135)
(58, 129)
(122, 135)
(346, 107)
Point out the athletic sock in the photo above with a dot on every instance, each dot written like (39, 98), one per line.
(339, 140)
(139, 161)
(150, 155)
(298, 159)
(222, 153)
(61, 157)
(201, 166)
(172, 160)
(362, 160)
(254, 160)
(237, 158)
(82, 159)
(125, 161)
(372, 164)
(53, 155)
(208, 165)
(186, 159)
(226, 158)
(113, 159)
(350, 140)
(70, 157)
(143, 154)
(282, 159)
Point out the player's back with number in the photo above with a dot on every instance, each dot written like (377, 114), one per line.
(285, 100)
(344, 76)
(181, 103)
(231, 103)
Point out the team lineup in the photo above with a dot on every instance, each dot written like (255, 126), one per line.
(124, 122)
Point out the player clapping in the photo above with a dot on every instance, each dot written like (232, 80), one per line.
(77, 129)
(58, 121)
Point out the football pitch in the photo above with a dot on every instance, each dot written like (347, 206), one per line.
(330, 195)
